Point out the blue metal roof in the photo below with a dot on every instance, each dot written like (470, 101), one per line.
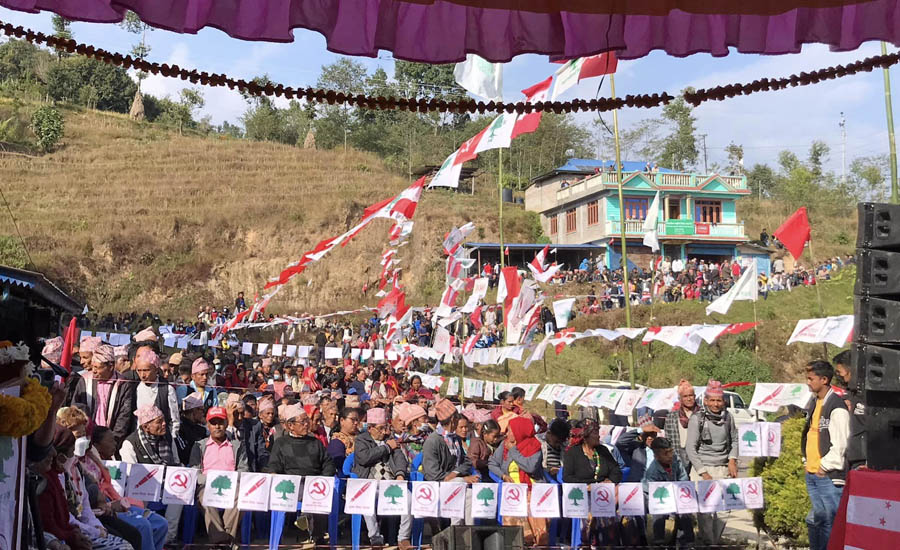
(531, 246)
(588, 165)
(13, 280)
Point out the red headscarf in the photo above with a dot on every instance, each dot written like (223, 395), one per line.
(522, 428)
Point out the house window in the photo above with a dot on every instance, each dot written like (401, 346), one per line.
(706, 211)
(636, 208)
(593, 209)
(554, 224)
(570, 221)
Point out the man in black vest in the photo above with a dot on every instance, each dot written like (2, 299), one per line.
(154, 390)
(152, 444)
(823, 444)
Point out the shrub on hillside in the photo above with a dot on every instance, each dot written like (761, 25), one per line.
(48, 126)
(784, 488)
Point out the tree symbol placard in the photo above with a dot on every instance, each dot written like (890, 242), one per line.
(393, 499)
(661, 493)
(484, 500)
(735, 498)
(393, 492)
(575, 495)
(285, 487)
(284, 493)
(662, 498)
(221, 489)
(221, 483)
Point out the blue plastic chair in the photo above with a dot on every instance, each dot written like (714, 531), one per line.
(418, 524)
(355, 519)
(575, 539)
(553, 528)
(189, 526)
(276, 524)
(499, 482)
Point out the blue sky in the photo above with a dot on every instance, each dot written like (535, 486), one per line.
(764, 123)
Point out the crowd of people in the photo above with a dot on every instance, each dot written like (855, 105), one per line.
(207, 412)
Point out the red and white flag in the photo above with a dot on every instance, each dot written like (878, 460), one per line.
(529, 122)
(539, 269)
(869, 515)
(470, 344)
(576, 70)
(509, 287)
(456, 236)
(836, 331)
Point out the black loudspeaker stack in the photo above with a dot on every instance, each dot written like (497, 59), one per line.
(876, 350)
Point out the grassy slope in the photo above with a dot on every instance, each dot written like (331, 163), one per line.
(129, 216)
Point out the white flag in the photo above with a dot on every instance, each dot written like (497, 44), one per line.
(562, 310)
(652, 214)
(480, 77)
(834, 330)
(746, 288)
(85, 310)
(566, 77)
(651, 241)
(448, 174)
(498, 134)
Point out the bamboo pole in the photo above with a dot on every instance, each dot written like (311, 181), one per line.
(812, 262)
(626, 287)
(889, 112)
(502, 255)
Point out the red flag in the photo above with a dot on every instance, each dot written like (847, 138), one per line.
(529, 122)
(71, 334)
(867, 518)
(466, 151)
(737, 328)
(598, 65)
(794, 232)
(475, 317)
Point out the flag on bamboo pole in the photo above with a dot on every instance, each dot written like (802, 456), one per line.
(794, 233)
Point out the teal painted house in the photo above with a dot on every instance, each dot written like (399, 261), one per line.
(578, 204)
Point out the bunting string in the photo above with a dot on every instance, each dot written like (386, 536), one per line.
(424, 105)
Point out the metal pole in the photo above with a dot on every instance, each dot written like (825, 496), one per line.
(889, 111)
(843, 126)
(626, 288)
(705, 165)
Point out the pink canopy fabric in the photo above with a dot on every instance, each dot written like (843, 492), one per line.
(437, 31)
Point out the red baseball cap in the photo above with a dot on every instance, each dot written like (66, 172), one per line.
(216, 412)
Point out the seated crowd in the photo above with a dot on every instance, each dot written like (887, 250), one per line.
(198, 412)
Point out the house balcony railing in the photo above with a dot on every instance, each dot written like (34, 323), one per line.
(686, 181)
(675, 228)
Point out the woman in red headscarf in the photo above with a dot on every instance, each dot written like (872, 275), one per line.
(520, 460)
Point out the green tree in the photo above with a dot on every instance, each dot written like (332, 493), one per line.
(485, 495)
(221, 483)
(62, 29)
(679, 148)
(114, 88)
(393, 492)
(181, 114)
(133, 24)
(661, 493)
(735, 158)
(734, 490)
(575, 495)
(284, 487)
(868, 178)
(48, 126)
(762, 180)
(640, 142)
(749, 438)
